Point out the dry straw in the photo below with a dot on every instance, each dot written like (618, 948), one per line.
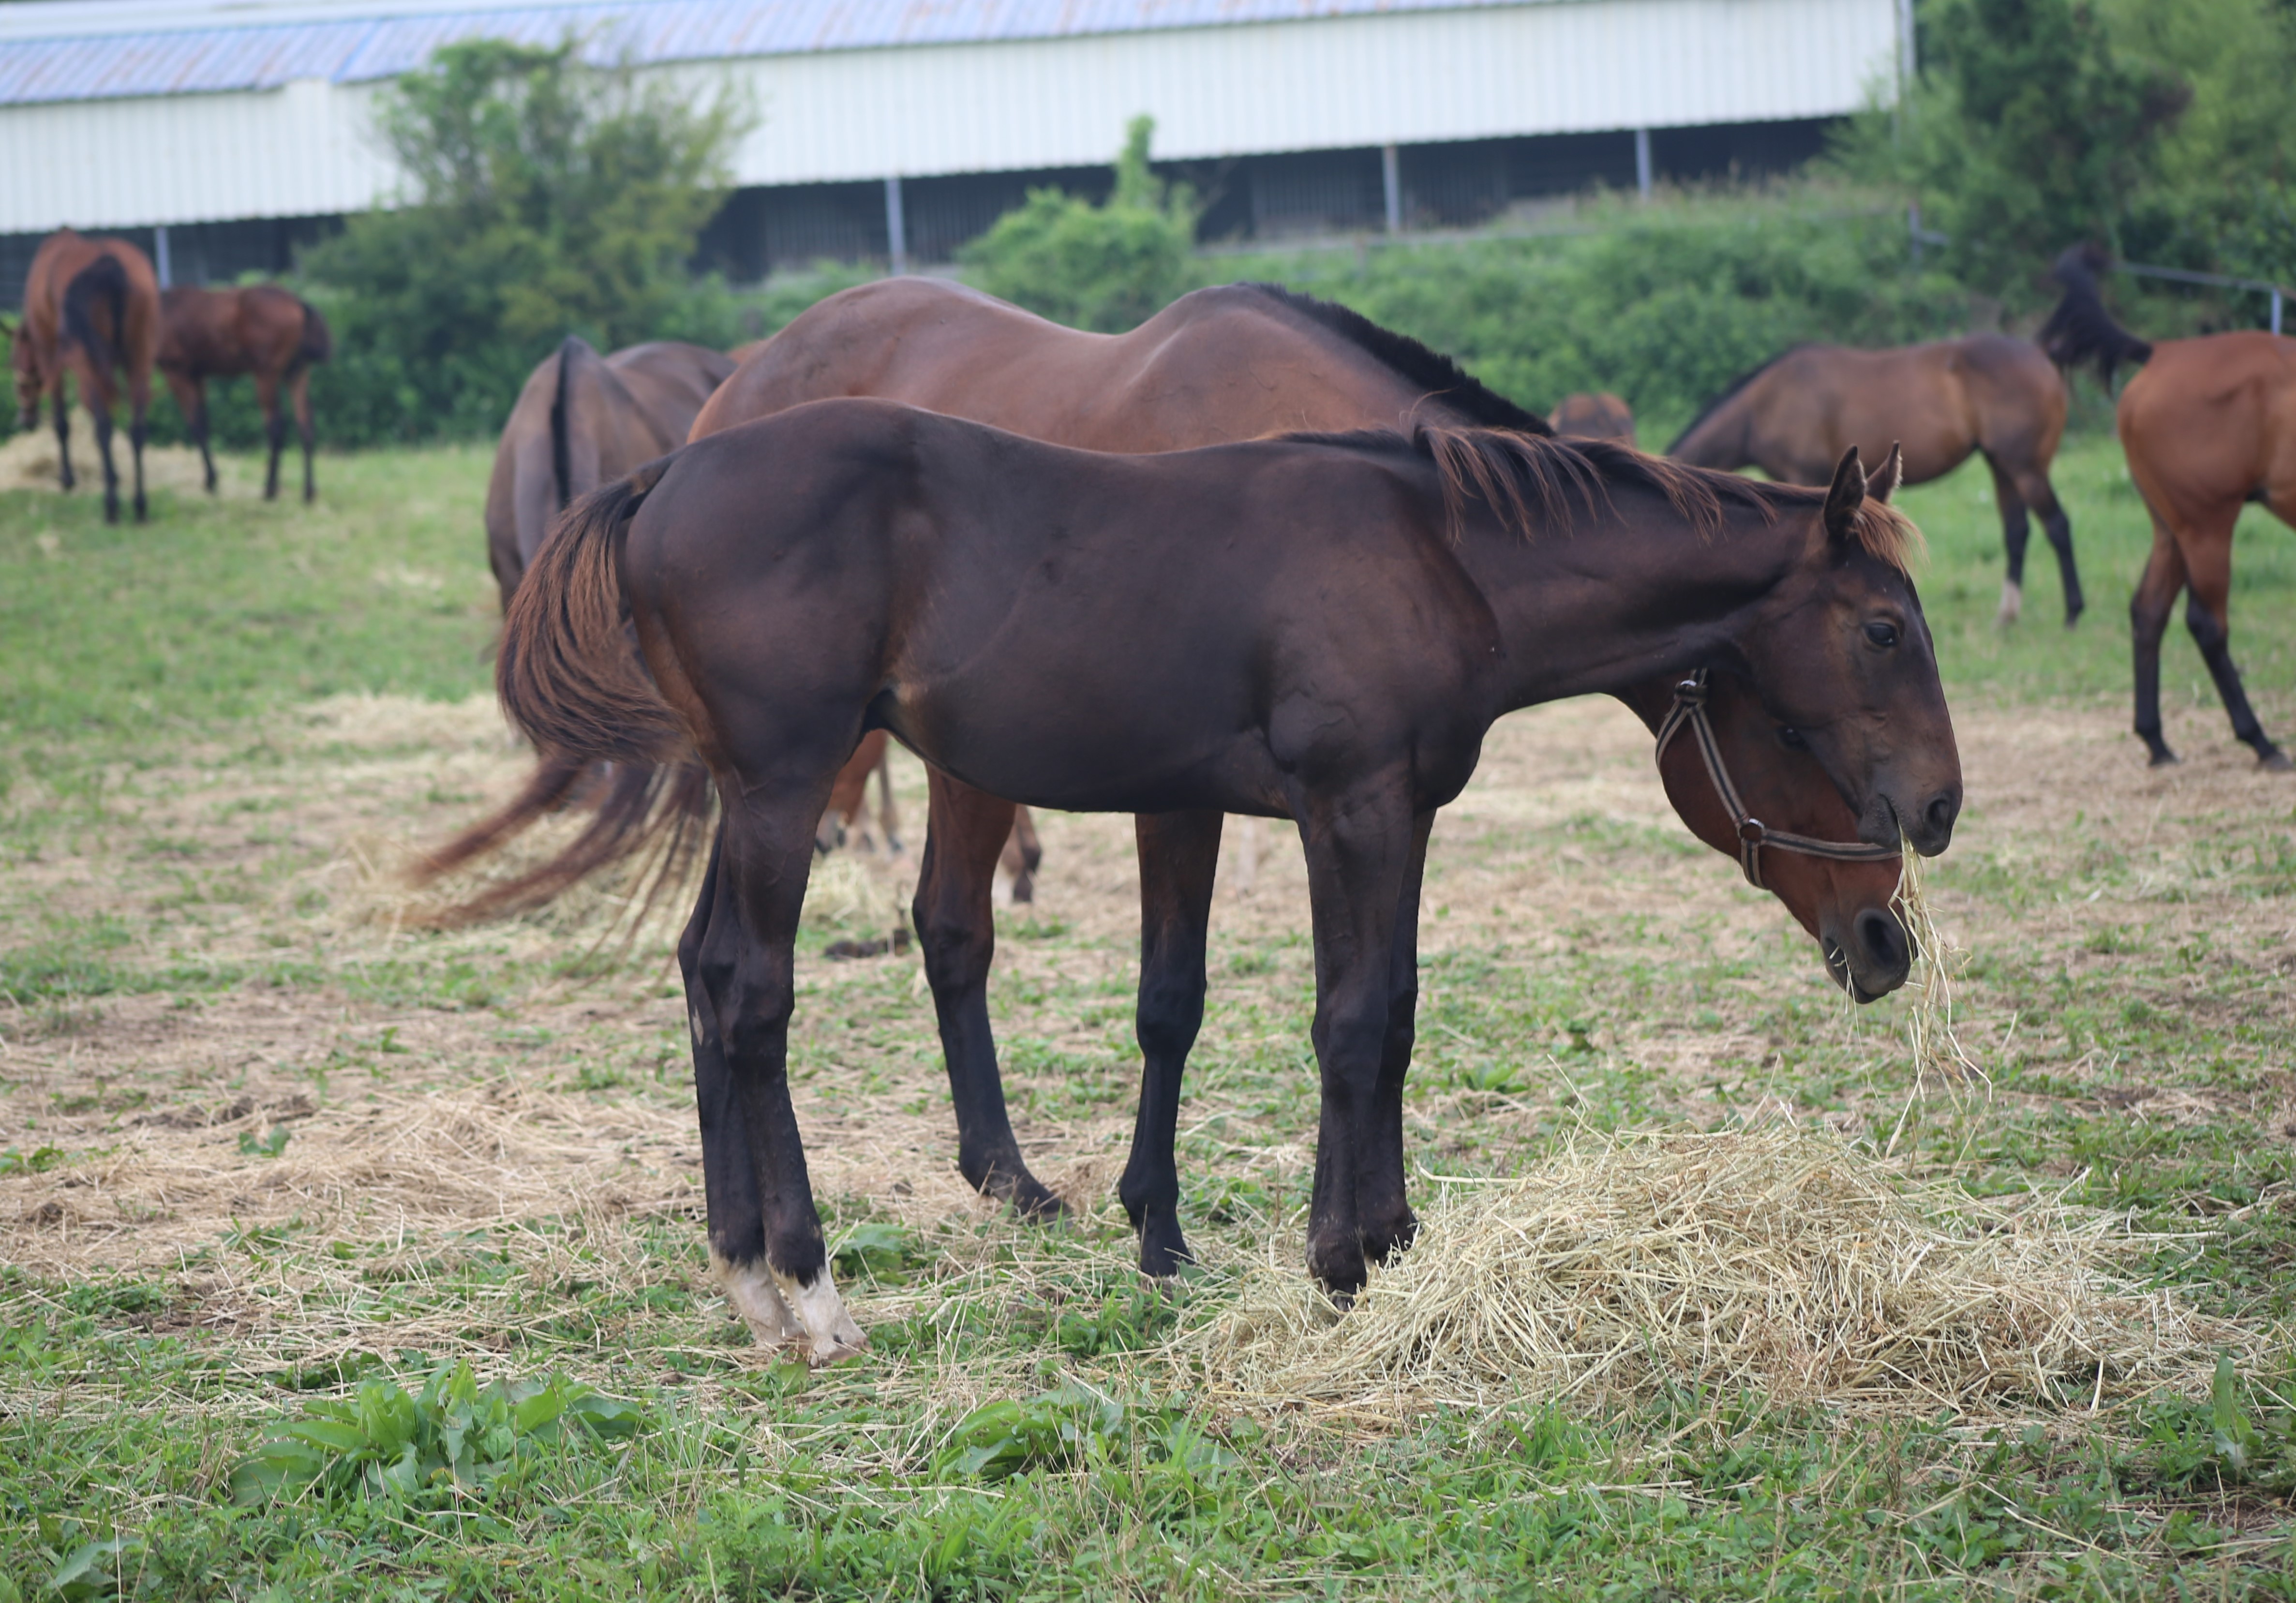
(1780, 1261)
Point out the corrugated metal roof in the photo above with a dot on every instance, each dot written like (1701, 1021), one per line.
(123, 65)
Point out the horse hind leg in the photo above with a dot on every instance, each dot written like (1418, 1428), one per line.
(1022, 854)
(275, 431)
(2016, 531)
(1180, 862)
(2034, 487)
(2208, 615)
(103, 429)
(58, 405)
(2148, 620)
(299, 390)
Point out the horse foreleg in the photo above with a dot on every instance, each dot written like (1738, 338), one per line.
(2016, 531)
(956, 930)
(1360, 849)
(274, 430)
(2208, 613)
(2148, 620)
(135, 434)
(1180, 862)
(742, 1005)
(299, 388)
(1389, 1226)
(1021, 854)
(888, 816)
(191, 396)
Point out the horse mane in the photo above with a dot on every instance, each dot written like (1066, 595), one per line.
(1434, 372)
(2080, 330)
(1531, 482)
(1728, 392)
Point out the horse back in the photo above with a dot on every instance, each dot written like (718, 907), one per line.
(2212, 421)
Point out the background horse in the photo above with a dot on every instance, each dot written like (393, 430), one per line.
(1600, 415)
(1320, 627)
(1229, 362)
(263, 331)
(581, 421)
(90, 311)
(1793, 416)
(2209, 425)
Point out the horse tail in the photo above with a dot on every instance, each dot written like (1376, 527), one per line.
(571, 682)
(571, 350)
(318, 342)
(2080, 330)
(100, 286)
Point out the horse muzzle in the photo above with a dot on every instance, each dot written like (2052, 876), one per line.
(1926, 825)
(1873, 958)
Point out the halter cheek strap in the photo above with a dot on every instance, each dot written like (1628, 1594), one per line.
(1689, 712)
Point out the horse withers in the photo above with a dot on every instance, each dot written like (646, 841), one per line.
(91, 313)
(2208, 425)
(581, 421)
(260, 331)
(1318, 628)
(1793, 416)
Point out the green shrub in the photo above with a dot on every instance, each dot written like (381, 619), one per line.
(1106, 268)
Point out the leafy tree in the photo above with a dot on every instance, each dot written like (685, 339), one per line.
(1104, 268)
(548, 197)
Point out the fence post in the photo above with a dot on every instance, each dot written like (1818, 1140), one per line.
(1643, 162)
(1390, 178)
(897, 233)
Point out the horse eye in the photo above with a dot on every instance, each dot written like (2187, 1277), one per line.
(1881, 634)
(1791, 740)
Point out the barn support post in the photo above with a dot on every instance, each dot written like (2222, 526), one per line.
(1390, 178)
(897, 233)
(159, 262)
(2276, 310)
(1642, 163)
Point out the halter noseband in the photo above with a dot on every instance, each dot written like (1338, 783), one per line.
(1689, 710)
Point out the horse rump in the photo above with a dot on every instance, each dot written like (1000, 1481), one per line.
(101, 286)
(317, 343)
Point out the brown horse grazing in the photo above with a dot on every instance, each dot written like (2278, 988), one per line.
(91, 309)
(581, 421)
(2209, 425)
(1600, 415)
(1793, 416)
(1320, 627)
(263, 331)
(1221, 363)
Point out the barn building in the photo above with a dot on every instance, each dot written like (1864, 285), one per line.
(224, 132)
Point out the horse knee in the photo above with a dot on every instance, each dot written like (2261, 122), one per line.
(1170, 1016)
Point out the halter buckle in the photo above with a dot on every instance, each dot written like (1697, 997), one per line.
(1692, 692)
(1750, 831)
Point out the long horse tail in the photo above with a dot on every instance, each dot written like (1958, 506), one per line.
(572, 682)
(318, 341)
(2080, 330)
(572, 352)
(100, 286)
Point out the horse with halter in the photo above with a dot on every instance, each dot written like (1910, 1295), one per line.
(2209, 425)
(261, 330)
(1316, 626)
(92, 311)
(1794, 415)
(581, 421)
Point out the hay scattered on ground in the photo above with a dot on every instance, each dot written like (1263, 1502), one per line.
(1780, 1261)
(28, 461)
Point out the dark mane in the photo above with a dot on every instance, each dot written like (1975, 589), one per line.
(2080, 330)
(1735, 385)
(1434, 372)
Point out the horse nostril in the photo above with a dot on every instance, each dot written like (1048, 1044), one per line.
(1888, 946)
(1944, 807)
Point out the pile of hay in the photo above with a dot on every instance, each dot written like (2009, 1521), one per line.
(28, 460)
(1780, 1261)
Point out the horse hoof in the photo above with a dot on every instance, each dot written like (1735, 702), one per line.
(2166, 759)
(2274, 760)
(1164, 1252)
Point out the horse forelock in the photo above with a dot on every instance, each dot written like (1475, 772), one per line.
(1888, 535)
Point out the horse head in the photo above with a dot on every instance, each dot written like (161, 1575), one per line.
(1844, 659)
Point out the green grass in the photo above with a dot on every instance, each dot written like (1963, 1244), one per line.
(172, 846)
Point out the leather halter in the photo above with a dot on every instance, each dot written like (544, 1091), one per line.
(1689, 711)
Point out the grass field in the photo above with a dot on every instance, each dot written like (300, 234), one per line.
(272, 1158)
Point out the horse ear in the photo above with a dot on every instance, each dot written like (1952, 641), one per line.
(1885, 484)
(1847, 497)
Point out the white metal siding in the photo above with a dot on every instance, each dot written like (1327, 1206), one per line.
(1566, 66)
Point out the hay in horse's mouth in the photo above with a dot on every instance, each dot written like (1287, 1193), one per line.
(1778, 1260)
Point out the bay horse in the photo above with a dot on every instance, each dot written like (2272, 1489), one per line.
(1794, 415)
(91, 312)
(1230, 363)
(1599, 415)
(1316, 626)
(262, 331)
(582, 419)
(2207, 426)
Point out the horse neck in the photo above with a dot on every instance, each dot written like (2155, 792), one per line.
(1720, 440)
(1624, 600)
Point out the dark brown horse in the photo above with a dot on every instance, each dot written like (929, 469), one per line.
(1600, 415)
(261, 332)
(581, 421)
(1320, 627)
(1793, 417)
(92, 311)
(1229, 362)
(2208, 426)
